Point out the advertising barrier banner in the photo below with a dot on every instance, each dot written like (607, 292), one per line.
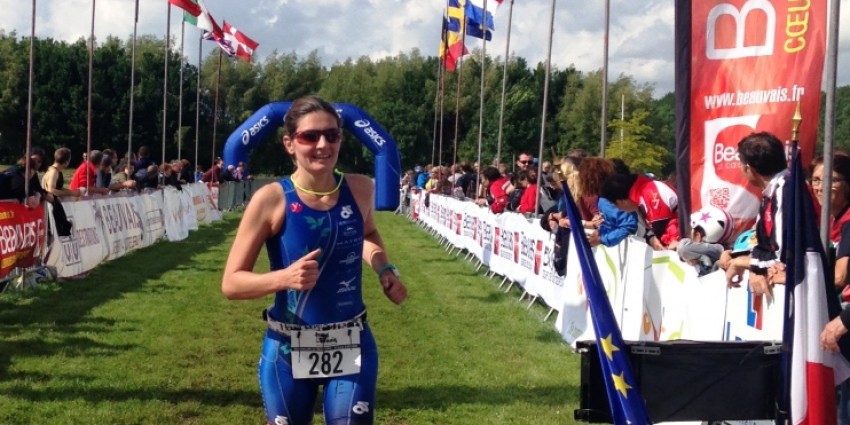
(22, 233)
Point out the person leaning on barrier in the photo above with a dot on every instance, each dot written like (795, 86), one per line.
(13, 183)
(654, 201)
(86, 174)
(497, 186)
(38, 156)
(318, 227)
(764, 164)
(53, 181)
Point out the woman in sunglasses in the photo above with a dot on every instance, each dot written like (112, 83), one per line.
(317, 225)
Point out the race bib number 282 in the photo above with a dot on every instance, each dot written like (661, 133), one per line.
(325, 353)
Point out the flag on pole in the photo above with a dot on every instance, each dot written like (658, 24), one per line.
(477, 19)
(242, 45)
(203, 20)
(810, 302)
(451, 46)
(624, 398)
(189, 6)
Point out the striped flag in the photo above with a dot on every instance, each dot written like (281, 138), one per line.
(810, 302)
(202, 20)
(624, 398)
(187, 5)
(243, 46)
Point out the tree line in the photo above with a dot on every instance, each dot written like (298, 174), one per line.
(400, 92)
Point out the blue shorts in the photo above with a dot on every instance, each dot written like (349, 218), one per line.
(348, 399)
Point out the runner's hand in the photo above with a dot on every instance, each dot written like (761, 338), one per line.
(303, 274)
(393, 288)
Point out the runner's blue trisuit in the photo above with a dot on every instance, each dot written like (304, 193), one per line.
(337, 297)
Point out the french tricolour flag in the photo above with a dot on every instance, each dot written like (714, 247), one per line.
(810, 302)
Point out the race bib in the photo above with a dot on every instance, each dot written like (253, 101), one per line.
(325, 353)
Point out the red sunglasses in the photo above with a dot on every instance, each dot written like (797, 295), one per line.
(332, 135)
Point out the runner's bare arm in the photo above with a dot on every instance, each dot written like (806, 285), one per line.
(262, 218)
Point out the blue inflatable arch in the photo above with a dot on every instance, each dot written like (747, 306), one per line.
(387, 161)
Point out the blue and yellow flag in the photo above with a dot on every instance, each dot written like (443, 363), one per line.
(627, 406)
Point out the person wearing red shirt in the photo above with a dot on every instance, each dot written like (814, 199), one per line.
(84, 176)
(498, 187)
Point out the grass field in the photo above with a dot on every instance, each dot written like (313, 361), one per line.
(149, 339)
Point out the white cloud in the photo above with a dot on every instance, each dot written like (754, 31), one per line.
(641, 33)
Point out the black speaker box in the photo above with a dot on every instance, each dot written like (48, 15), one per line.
(689, 380)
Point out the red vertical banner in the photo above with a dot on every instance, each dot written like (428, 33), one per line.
(751, 63)
(22, 234)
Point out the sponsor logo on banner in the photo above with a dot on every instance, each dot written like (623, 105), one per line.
(548, 267)
(458, 221)
(21, 236)
(468, 225)
(70, 251)
(250, 132)
(538, 256)
(752, 63)
(497, 240)
(526, 252)
(508, 247)
(376, 138)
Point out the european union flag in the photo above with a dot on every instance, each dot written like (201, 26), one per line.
(627, 406)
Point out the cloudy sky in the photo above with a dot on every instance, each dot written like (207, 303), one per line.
(641, 34)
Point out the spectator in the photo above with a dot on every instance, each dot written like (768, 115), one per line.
(167, 177)
(528, 201)
(422, 176)
(465, 184)
(764, 165)
(38, 156)
(839, 208)
(524, 161)
(86, 174)
(123, 177)
(239, 172)
(228, 174)
(149, 180)
(654, 201)
(54, 180)
(185, 175)
(214, 173)
(143, 161)
(13, 183)
(103, 176)
(497, 185)
(710, 227)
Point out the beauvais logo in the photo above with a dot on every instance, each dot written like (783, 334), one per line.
(251, 132)
(19, 237)
(367, 128)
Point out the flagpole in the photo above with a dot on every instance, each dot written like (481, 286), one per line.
(89, 183)
(445, 41)
(545, 106)
(132, 84)
(504, 85)
(829, 117)
(604, 114)
(165, 80)
(481, 90)
(180, 96)
(29, 106)
(457, 91)
(198, 100)
(437, 109)
(214, 176)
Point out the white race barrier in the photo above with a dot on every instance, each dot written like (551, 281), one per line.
(108, 227)
(655, 296)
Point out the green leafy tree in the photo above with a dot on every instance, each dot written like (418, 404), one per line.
(633, 147)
